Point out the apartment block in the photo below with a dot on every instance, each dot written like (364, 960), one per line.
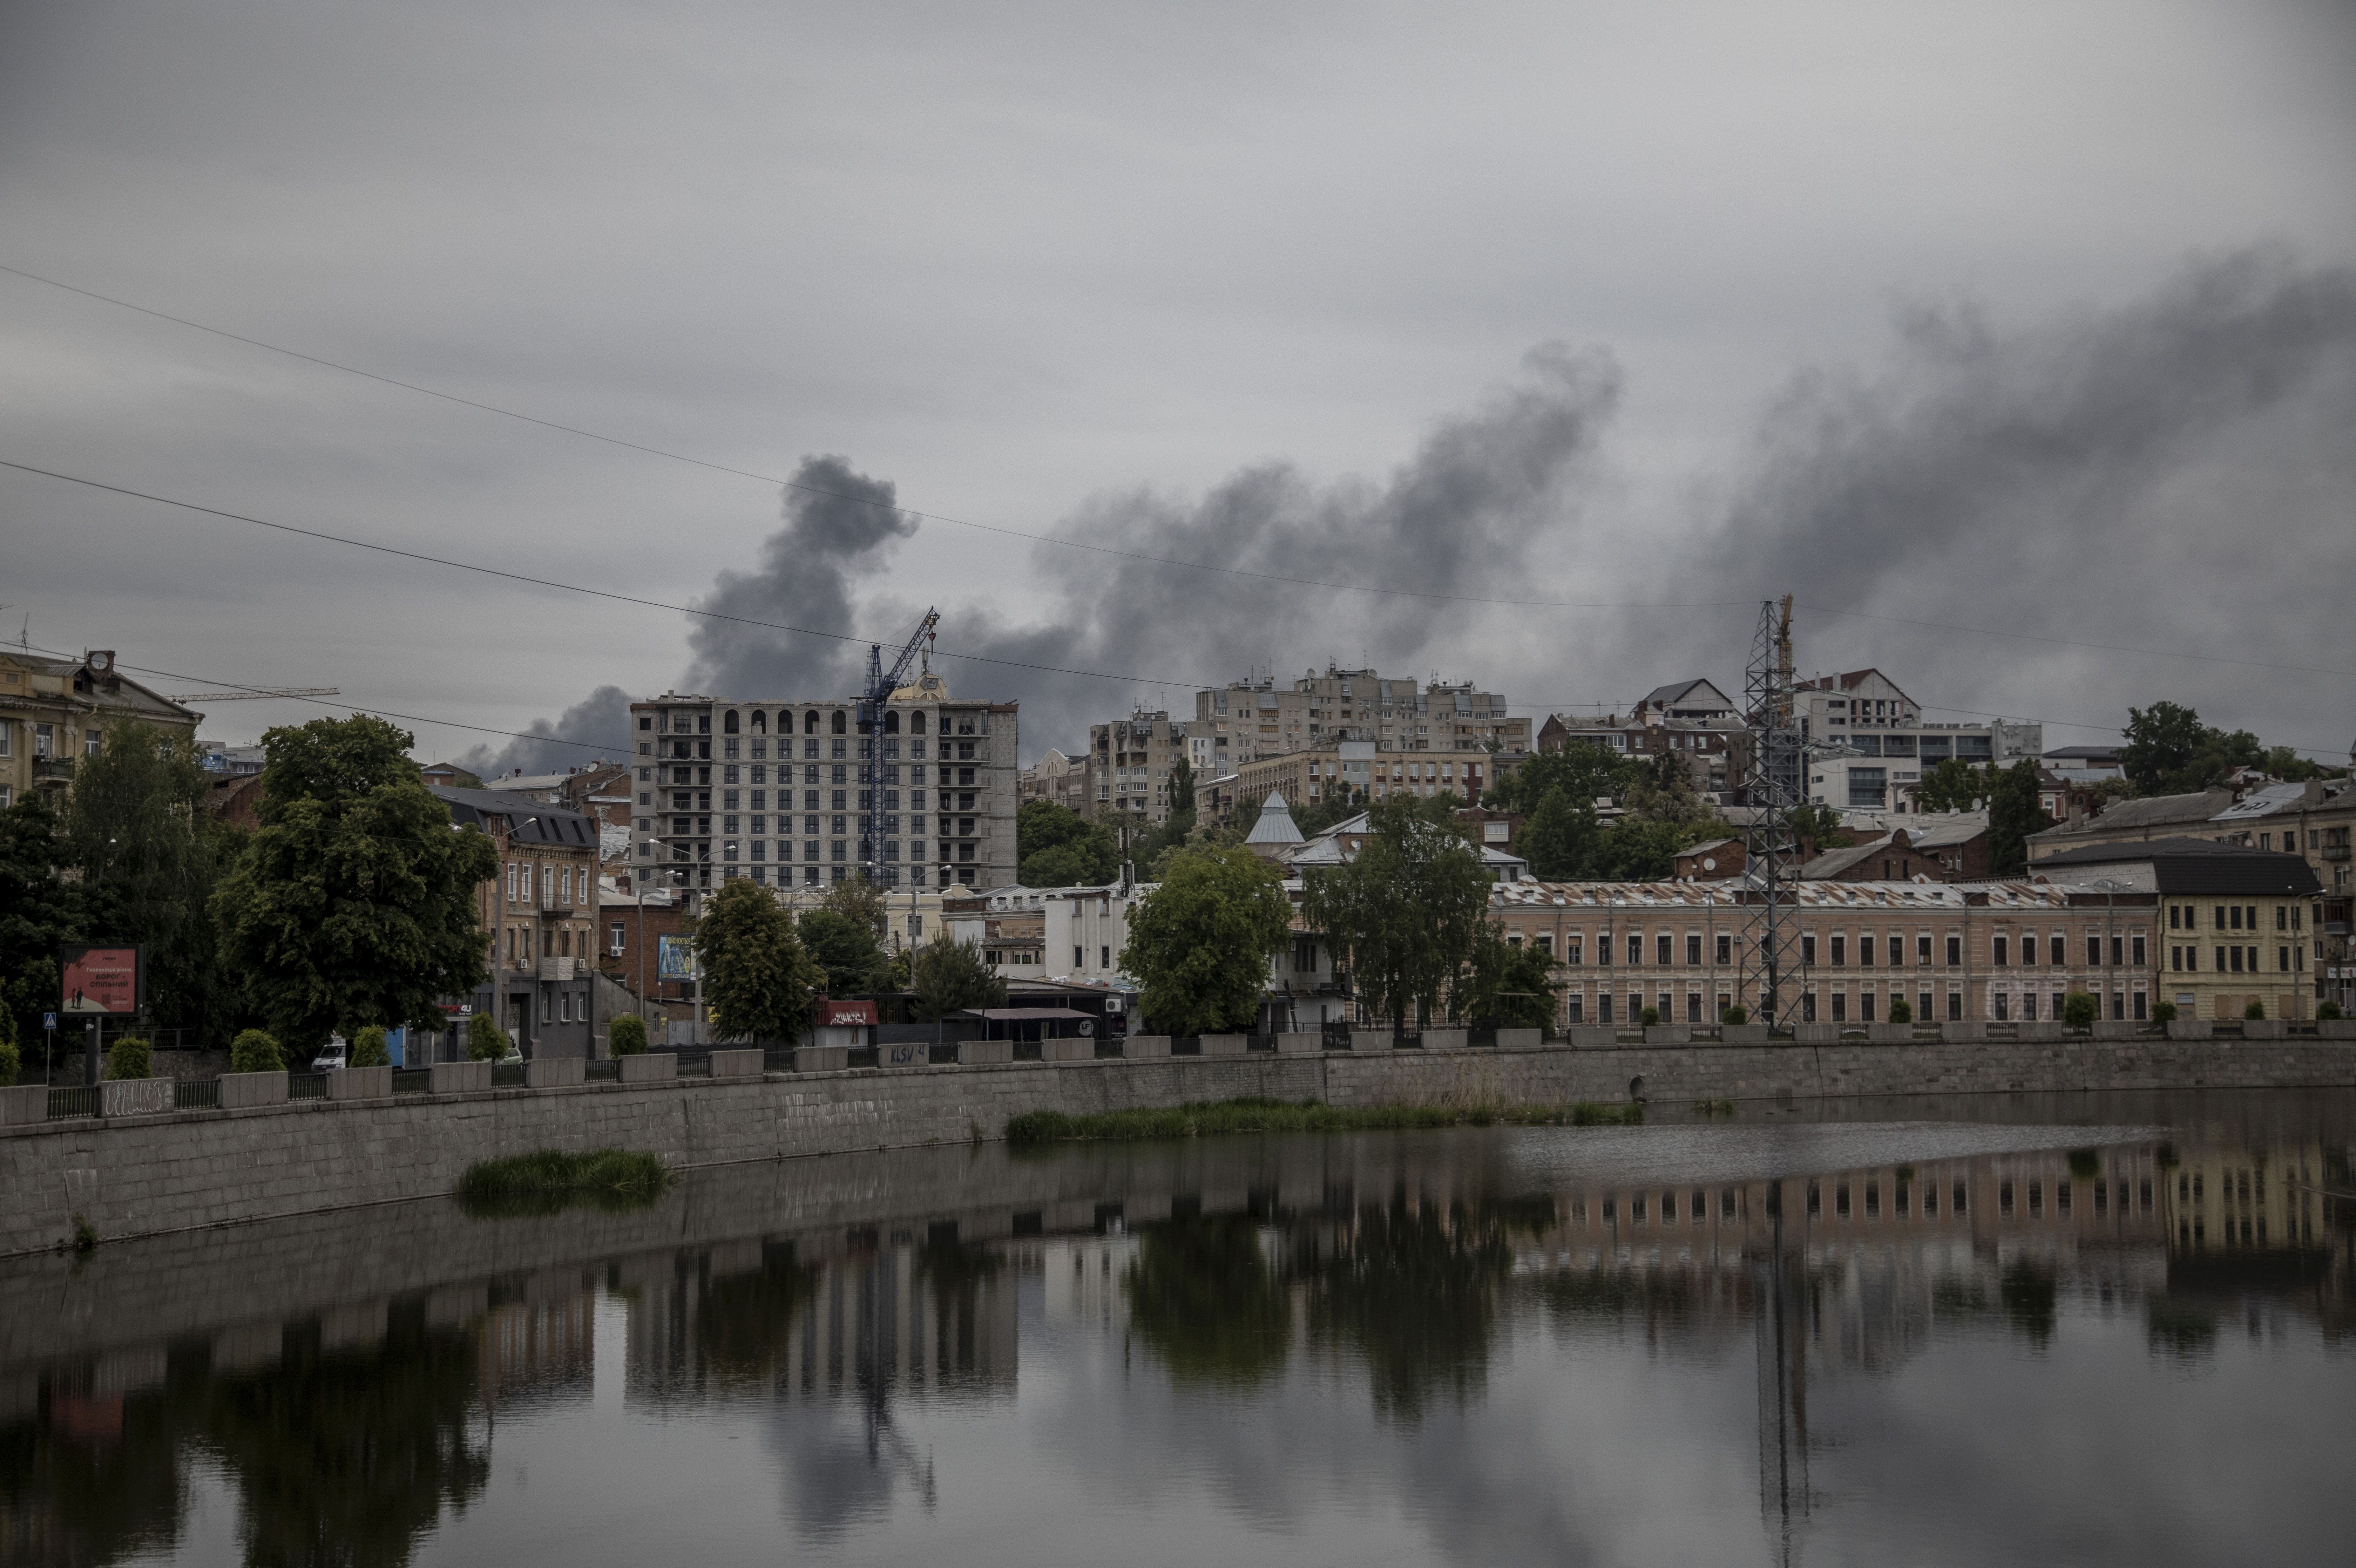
(772, 790)
(1126, 771)
(1887, 746)
(53, 712)
(540, 911)
(1364, 767)
(1246, 720)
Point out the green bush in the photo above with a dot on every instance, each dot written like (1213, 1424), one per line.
(2256, 1010)
(2079, 1009)
(1649, 1017)
(486, 1041)
(255, 1051)
(2322, 1011)
(128, 1059)
(1737, 1014)
(369, 1048)
(552, 1180)
(11, 1062)
(626, 1035)
(1900, 1011)
(2163, 1011)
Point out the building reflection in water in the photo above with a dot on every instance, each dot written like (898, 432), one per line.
(349, 1432)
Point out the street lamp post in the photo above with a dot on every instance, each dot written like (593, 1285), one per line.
(2110, 925)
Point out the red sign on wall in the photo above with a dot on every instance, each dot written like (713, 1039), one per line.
(844, 1015)
(101, 980)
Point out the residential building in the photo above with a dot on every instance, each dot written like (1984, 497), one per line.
(2129, 821)
(2238, 923)
(631, 924)
(540, 910)
(1009, 924)
(1126, 771)
(1246, 720)
(1949, 847)
(2315, 819)
(1695, 700)
(1054, 777)
(223, 761)
(53, 712)
(449, 774)
(1365, 768)
(771, 790)
(2005, 951)
(1712, 748)
(912, 916)
(1718, 860)
(1092, 925)
(1887, 746)
(2103, 761)
(1340, 843)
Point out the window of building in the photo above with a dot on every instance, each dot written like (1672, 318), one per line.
(1725, 947)
(1840, 952)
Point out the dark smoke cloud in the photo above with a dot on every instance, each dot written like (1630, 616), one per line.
(601, 719)
(2174, 472)
(1461, 516)
(840, 525)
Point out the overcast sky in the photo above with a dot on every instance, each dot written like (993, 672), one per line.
(2035, 318)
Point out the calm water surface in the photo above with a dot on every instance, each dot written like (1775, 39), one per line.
(2064, 1331)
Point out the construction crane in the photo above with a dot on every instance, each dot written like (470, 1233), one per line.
(247, 695)
(1771, 774)
(881, 683)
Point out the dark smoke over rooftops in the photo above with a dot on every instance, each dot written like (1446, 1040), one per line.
(2172, 471)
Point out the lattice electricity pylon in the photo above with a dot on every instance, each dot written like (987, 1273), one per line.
(881, 683)
(1771, 782)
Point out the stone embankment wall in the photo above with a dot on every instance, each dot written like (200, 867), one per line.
(152, 1175)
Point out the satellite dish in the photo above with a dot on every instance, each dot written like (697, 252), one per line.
(1709, 863)
(1087, 1027)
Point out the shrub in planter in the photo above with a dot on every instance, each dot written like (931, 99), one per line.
(626, 1035)
(128, 1059)
(2163, 1011)
(1737, 1014)
(1902, 1011)
(368, 1048)
(2079, 1009)
(1650, 1016)
(486, 1041)
(2323, 1011)
(2256, 1011)
(253, 1050)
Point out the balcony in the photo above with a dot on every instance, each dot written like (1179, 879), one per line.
(2333, 852)
(60, 770)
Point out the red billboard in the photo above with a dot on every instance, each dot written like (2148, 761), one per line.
(844, 1015)
(102, 979)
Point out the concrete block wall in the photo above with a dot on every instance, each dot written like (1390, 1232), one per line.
(194, 1169)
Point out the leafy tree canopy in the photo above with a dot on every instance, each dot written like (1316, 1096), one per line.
(1818, 825)
(1201, 940)
(39, 911)
(949, 976)
(354, 903)
(852, 964)
(2169, 751)
(2015, 810)
(1056, 846)
(1511, 984)
(1405, 914)
(858, 901)
(757, 977)
(1582, 770)
(1954, 786)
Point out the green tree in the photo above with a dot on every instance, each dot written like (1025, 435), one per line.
(860, 902)
(355, 900)
(1405, 914)
(756, 975)
(1952, 785)
(1054, 846)
(1582, 770)
(850, 962)
(1201, 940)
(1561, 839)
(2169, 751)
(1819, 826)
(486, 1041)
(254, 1051)
(949, 977)
(1644, 849)
(369, 1048)
(2079, 1009)
(40, 910)
(152, 854)
(626, 1035)
(1662, 791)
(2015, 811)
(1902, 1011)
(128, 1058)
(1511, 984)
(1182, 787)
(2254, 1010)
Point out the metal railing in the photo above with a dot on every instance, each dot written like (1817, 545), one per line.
(1337, 1034)
(306, 1086)
(1186, 1045)
(509, 1075)
(1259, 1042)
(80, 1100)
(197, 1094)
(411, 1080)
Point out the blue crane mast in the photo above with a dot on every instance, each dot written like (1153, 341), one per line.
(881, 683)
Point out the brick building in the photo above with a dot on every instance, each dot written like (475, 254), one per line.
(540, 911)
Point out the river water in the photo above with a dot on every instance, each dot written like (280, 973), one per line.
(2070, 1329)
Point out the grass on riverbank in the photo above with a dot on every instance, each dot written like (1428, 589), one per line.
(1206, 1120)
(551, 1180)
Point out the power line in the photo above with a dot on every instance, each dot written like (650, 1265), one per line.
(651, 451)
(569, 587)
